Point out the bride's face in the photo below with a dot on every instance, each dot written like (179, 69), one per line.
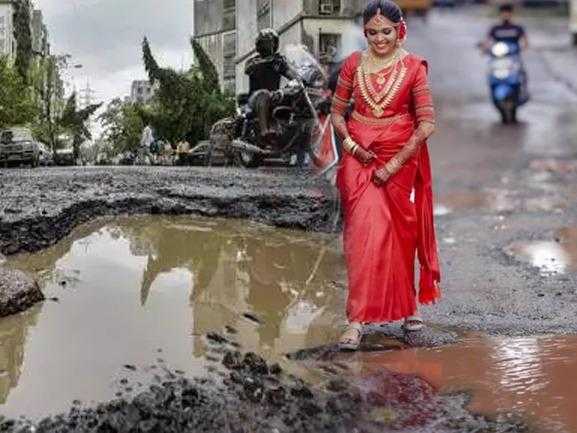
(381, 35)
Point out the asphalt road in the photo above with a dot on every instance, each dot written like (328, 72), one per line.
(496, 186)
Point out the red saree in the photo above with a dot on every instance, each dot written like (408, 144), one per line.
(386, 226)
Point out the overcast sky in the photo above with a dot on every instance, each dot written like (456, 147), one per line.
(105, 37)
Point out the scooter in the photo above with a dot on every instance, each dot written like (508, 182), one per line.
(507, 79)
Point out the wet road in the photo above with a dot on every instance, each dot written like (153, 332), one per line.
(505, 194)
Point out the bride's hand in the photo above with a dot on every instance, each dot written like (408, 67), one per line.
(363, 155)
(380, 176)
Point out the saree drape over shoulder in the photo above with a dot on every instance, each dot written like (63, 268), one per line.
(386, 226)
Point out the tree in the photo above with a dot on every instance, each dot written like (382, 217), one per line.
(186, 104)
(206, 67)
(17, 105)
(49, 91)
(75, 121)
(123, 123)
(23, 36)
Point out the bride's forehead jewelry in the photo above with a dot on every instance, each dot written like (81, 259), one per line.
(381, 20)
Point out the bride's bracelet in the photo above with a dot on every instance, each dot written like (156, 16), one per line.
(350, 146)
(393, 166)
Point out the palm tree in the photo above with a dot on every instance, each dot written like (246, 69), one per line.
(75, 121)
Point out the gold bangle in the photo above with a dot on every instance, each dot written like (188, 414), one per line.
(354, 149)
(349, 143)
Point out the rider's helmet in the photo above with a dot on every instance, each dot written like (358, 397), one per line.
(267, 42)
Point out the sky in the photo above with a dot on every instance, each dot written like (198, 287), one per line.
(105, 36)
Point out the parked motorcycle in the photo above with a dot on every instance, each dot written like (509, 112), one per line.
(507, 79)
(303, 104)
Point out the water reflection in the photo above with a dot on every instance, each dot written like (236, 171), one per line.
(139, 284)
(557, 256)
(531, 376)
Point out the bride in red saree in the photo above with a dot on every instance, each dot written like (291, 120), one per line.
(384, 177)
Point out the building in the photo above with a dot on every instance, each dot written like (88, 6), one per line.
(214, 27)
(40, 45)
(7, 39)
(39, 32)
(223, 27)
(141, 91)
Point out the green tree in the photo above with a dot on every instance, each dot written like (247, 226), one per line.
(17, 106)
(49, 90)
(186, 104)
(123, 124)
(206, 67)
(75, 120)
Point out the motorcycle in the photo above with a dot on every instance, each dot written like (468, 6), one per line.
(302, 113)
(507, 79)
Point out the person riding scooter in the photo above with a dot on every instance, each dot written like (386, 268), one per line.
(507, 75)
(265, 71)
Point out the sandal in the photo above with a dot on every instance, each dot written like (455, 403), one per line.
(351, 338)
(413, 323)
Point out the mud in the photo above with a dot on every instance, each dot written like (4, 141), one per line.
(41, 206)
(251, 395)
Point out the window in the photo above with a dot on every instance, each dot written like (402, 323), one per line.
(329, 46)
(263, 15)
(229, 15)
(329, 7)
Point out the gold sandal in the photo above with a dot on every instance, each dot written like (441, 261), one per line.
(351, 343)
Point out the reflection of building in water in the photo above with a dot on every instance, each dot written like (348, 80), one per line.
(321, 25)
(13, 332)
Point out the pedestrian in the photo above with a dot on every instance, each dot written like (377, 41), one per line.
(384, 177)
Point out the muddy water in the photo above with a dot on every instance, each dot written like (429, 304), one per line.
(555, 256)
(143, 291)
(533, 377)
(123, 291)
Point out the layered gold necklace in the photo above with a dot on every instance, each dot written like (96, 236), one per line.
(378, 101)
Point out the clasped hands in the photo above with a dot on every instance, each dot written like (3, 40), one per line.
(380, 175)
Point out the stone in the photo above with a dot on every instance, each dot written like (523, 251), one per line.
(18, 291)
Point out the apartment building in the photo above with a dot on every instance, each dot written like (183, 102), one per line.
(227, 30)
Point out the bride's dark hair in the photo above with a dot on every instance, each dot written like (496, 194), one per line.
(388, 9)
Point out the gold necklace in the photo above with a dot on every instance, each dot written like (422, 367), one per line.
(376, 63)
(379, 101)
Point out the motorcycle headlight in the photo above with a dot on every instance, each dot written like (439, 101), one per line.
(500, 49)
(501, 74)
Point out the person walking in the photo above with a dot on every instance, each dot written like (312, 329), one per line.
(384, 177)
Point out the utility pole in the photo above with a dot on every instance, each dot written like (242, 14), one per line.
(573, 20)
(85, 96)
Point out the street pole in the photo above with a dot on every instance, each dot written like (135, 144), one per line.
(573, 20)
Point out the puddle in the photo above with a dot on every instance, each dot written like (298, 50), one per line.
(557, 256)
(531, 376)
(121, 291)
(495, 200)
(125, 289)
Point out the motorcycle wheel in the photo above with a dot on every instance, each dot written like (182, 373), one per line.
(508, 113)
(249, 159)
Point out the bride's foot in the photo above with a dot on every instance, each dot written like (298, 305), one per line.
(413, 323)
(351, 338)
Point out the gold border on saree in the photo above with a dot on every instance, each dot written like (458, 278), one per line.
(381, 121)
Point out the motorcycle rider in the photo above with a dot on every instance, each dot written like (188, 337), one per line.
(265, 71)
(506, 30)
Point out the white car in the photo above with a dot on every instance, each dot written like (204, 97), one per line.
(17, 146)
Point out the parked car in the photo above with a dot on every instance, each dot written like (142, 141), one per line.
(46, 157)
(64, 156)
(17, 146)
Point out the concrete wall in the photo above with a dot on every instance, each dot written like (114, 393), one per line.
(207, 16)
(8, 46)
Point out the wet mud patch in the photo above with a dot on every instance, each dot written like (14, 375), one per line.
(556, 256)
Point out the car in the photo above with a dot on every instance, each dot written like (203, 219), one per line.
(64, 156)
(17, 146)
(46, 157)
